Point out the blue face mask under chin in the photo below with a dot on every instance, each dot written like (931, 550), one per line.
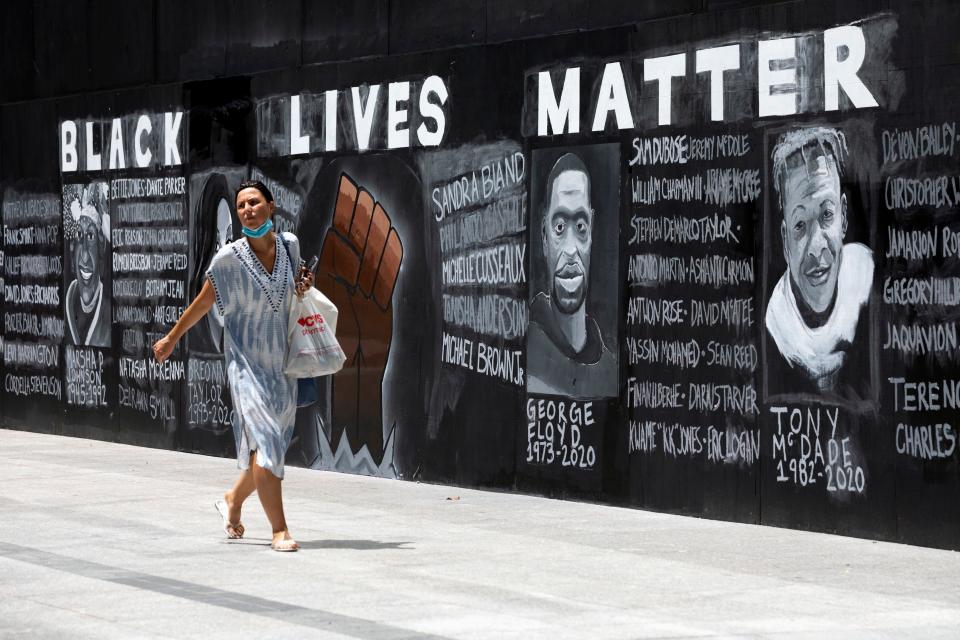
(260, 231)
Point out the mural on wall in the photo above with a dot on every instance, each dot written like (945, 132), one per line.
(206, 425)
(33, 327)
(352, 215)
(359, 266)
(725, 367)
(126, 265)
(920, 290)
(918, 264)
(690, 318)
(362, 221)
(86, 219)
(820, 367)
(717, 277)
(474, 211)
(567, 352)
(213, 215)
(87, 313)
(814, 314)
(150, 283)
(572, 340)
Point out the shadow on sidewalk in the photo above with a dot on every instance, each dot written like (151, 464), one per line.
(358, 545)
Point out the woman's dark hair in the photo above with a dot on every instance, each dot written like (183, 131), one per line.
(253, 184)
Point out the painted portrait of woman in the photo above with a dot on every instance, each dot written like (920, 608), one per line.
(214, 229)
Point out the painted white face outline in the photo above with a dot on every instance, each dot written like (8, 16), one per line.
(223, 237)
(224, 224)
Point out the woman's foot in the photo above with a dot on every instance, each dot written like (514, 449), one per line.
(233, 507)
(230, 512)
(282, 541)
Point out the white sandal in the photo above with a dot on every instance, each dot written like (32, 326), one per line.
(285, 545)
(233, 531)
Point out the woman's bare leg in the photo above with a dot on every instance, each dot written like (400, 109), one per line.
(241, 490)
(270, 492)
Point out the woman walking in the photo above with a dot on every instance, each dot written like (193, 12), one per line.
(251, 281)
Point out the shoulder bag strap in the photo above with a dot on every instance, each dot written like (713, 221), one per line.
(289, 259)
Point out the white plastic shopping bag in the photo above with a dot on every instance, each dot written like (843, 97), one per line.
(313, 347)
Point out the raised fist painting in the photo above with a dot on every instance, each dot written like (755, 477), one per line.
(359, 264)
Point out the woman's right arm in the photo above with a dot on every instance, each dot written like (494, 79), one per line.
(197, 309)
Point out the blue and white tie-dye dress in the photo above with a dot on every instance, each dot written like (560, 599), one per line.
(255, 305)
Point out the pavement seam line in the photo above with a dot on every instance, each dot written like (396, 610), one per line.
(214, 596)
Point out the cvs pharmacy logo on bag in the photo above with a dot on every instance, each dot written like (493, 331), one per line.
(310, 321)
(311, 324)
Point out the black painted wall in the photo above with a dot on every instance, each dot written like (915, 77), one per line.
(732, 429)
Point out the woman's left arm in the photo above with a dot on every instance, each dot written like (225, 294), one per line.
(197, 309)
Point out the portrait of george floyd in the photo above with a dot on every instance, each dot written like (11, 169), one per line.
(86, 216)
(574, 218)
(816, 315)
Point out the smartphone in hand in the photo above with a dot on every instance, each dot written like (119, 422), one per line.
(307, 268)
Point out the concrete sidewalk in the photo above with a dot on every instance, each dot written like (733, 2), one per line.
(100, 540)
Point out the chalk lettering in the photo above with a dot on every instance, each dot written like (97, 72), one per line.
(652, 394)
(652, 311)
(503, 264)
(32, 355)
(912, 245)
(500, 363)
(457, 351)
(922, 291)
(719, 147)
(731, 186)
(926, 442)
(488, 314)
(925, 395)
(660, 150)
(84, 377)
(477, 187)
(731, 313)
(149, 262)
(709, 396)
(158, 237)
(938, 192)
(558, 432)
(32, 266)
(919, 339)
(149, 212)
(42, 295)
(714, 270)
(19, 209)
(32, 324)
(919, 142)
(731, 446)
(32, 386)
(495, 220)
(681, 229)
(683, 354)
(137, 188)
